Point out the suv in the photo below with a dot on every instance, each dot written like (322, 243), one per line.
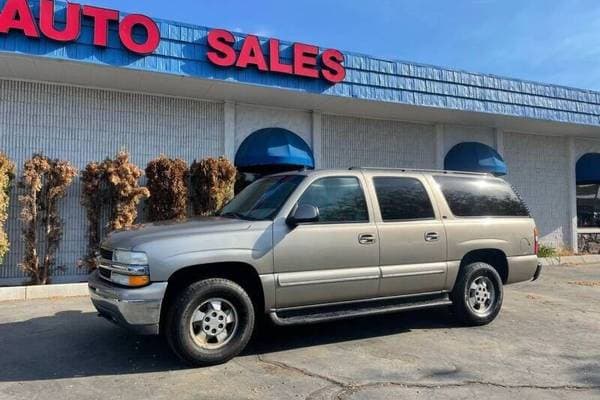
(312, 246)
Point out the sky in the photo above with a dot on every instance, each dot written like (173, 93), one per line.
(550, 41)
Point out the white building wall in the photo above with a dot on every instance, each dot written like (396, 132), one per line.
(249, 119)
(348, 141)
(538, 168)
(82, 125)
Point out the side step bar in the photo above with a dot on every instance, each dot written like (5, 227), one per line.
(342, 311)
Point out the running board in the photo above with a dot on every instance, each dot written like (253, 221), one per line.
(342, 311)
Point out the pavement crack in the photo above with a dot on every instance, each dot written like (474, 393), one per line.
(302, 371)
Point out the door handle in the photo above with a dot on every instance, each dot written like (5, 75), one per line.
(432, 236)
(366, 238)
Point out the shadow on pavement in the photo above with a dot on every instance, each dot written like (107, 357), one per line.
(75, 344)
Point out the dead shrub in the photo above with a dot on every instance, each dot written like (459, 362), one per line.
(167, 182)
(7, 175)
(44, 182)
(212, 184)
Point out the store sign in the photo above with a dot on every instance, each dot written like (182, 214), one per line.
(16, 15)
(307, 60)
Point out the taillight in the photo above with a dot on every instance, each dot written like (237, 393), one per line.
(536, 241)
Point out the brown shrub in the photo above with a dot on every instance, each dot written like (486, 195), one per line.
(7, 175)
(114, 183)
(44, 182)
(167, 182)
(212, 184)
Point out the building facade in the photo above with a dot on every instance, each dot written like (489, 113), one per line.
(81, 100)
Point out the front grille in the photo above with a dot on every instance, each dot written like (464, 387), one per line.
(105, 273)
(106, 254)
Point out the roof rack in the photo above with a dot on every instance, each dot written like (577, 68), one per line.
(436, 171)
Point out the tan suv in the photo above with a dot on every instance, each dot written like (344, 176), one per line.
(312, 246)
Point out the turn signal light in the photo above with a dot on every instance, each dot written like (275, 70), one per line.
(536, 241)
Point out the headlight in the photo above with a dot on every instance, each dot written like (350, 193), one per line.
(130, 257)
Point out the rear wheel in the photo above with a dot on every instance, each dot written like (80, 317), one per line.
(477, 295)
(210, 322)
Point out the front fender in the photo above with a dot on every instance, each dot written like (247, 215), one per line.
(161, 270)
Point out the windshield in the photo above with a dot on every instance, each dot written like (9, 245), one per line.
(263, 198)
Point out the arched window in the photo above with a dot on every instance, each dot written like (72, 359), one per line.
(588, 191)
(475, 157)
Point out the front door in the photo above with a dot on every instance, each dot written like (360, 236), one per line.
(332, 260)
(412, 236)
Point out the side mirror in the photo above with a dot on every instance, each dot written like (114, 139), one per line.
(303, 214)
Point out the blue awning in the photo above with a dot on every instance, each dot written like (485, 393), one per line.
(274, 146)
(475, 157)
(588, 169)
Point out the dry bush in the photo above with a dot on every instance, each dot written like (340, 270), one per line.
(125, 192)
(93, 198)
(44, 182)
(212, 184)
(114, 183)
(167, 182)
(7, 174)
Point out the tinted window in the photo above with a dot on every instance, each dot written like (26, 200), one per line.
(588, 206)
(339, 199)
(402, 199)
(481, 197)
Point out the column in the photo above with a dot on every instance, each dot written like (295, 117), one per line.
(317, 120)
(229, 123)
(571, 156)
(440, 153)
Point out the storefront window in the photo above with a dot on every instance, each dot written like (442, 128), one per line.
(588, 206)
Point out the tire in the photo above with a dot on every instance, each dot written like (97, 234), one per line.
(474, 303)
(210, 322)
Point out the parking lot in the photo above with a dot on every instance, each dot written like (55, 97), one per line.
(544, 344)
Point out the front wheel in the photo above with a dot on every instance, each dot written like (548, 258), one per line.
(477, 295)
(210, 322)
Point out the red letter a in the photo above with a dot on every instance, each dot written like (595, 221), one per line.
(17, 15)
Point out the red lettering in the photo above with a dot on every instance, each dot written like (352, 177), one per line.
(222, 53)
(16, 15)
(152, 34)
(333, 70)
(72, 27)
(102, 18)
(305, 60)
(252, 54)
(275, 59)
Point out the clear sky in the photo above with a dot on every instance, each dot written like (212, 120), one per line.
(552, 41)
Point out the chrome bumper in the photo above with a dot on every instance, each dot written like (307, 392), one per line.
(135, 309)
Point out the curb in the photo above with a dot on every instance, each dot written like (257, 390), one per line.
(571, 260)
(43, 291)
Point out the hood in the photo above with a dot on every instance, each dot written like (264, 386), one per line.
(139, 234)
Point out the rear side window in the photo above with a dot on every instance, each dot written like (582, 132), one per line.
(402, 199)
(481, 197)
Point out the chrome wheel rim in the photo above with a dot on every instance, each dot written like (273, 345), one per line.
(214, 323)
(482, 295)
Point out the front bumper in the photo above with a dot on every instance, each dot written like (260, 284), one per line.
(135, 309)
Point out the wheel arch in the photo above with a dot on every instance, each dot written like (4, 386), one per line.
(494, 257)
(241, 273)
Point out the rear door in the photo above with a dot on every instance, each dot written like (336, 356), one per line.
(412, 237)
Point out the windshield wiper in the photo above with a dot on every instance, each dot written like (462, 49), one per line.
(237, 215)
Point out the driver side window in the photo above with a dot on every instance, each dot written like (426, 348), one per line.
(339, 200)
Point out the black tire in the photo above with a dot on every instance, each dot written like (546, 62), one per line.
(467, 313)
(179, 328)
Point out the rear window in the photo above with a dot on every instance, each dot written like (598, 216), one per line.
(481, 197)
